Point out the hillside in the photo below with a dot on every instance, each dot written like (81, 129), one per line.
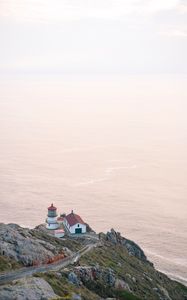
(114, 267)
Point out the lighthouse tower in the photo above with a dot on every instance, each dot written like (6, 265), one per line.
(52, 218)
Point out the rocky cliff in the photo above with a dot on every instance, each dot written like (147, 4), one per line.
(30, 247)
(132, 248)
(116, 268)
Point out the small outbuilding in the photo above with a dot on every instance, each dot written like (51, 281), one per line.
(59, 233)
(74, 223)
(60, 220)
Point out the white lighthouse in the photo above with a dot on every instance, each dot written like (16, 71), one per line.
(52, 218)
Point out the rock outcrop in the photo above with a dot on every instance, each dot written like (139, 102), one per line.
(27, 289)
(132, 248)
(23, 246)
(84, 274)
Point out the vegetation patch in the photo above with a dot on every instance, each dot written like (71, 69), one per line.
(142, 278)
(64, 289)
(7, 264)
(124, 295)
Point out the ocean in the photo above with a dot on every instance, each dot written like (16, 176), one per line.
(114, 150)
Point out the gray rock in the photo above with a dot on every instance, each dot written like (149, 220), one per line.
(72, 277)
(84, 274)
(76, 297)
(132, 248)
(27, 289)
(121, 284)
(111, 278)
(134, 279)
(19, 244)
(164, 293)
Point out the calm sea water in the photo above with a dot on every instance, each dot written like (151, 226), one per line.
(113, 150)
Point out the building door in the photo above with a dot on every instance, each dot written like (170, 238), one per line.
(78, 230)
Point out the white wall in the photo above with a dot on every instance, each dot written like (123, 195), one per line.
(52, 226)
(51, 220)
(72, 228)
(59, 234)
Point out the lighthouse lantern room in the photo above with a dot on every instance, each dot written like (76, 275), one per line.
(52, 218)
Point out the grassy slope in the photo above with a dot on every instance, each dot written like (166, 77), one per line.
(116, 257)
(126, 267)
(64, 289)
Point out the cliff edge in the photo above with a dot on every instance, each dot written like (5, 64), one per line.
(111, 267)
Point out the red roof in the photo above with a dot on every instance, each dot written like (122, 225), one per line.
(60, 219)
(73, 219)
(52, 207)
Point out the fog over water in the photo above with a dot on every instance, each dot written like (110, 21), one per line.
(114, 150)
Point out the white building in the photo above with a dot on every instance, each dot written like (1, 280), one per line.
(60, 220)
(52, 218)
(59, 233)
(74, 223)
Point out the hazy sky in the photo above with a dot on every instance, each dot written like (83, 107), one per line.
(93, 36)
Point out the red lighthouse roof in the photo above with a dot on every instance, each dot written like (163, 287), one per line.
(52, 207)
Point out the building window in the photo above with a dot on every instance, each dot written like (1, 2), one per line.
(78, 225)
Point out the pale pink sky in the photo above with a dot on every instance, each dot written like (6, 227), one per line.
(97, 36)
